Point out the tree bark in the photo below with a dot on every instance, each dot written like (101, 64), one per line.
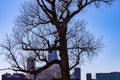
(64, 53)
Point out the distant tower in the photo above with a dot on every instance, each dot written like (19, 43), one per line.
(30, 63)
(52, 56)
(77, 73)
(88, 76)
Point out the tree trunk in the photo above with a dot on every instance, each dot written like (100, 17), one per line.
(64, 53)
(35, 75)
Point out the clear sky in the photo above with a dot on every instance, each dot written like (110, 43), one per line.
(103, 22)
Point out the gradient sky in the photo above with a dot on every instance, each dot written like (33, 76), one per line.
(103, 22)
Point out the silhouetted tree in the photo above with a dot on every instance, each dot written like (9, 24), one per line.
(45, 22)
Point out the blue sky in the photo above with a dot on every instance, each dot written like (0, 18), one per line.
(103, 22)
(9, 9)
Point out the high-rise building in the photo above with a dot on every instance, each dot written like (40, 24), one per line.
(88, 76)
(52, 56)
(30, 63)
(53, 71)
(77, 73)
(30, 66)
(50, 73)
(108, 76)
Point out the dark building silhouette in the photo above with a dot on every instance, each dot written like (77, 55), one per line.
(88, 76)
(76, 75)
(108, 76)
(15, 76)
(30, 63)
(6, 76)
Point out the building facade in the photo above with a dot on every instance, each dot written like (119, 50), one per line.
(88, 76)
(15, 76)
(52, 56)
(30, 63)
(53, 71)
(76, 75)
(108, 76)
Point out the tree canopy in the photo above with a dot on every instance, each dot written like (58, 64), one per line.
(43, 23)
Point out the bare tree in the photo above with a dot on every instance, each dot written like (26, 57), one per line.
(45, 22)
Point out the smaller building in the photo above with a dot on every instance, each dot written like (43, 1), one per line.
(88, 76)
(53, 72)
(108, 76)
(6, 76)
(76, 75)
(15, 76)
(31, 63)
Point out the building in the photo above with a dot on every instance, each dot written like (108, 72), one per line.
(53, 71)
(88, 76)
(30, 66)
(30, 63)
(6, 76)
(15, 76)
(76, 75)
(108, 76)
(52, 56)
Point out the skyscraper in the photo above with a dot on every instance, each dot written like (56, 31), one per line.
(53, 71)
(30, 63)
(77, 73)
(88, 76)
(30, 66)
(52, 56)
